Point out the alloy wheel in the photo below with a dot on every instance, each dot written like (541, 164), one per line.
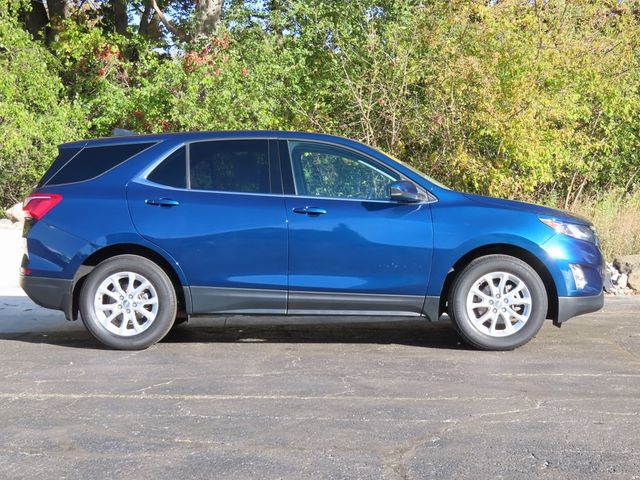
(126, 304)
(499, 304)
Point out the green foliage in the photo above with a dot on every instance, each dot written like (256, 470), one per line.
(509, 99)
(34, 116)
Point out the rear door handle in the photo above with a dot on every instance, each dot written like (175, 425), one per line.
(163, 202)
(311, 211)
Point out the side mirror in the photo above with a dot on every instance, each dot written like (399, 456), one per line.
(404, 191)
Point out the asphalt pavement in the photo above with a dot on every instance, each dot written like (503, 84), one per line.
(400, 401)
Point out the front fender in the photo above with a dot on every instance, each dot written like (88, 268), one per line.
(445, 258)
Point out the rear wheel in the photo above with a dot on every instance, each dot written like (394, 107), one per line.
(128, 302)
(498, 302)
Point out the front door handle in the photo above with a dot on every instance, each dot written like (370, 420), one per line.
(163, 202)
(311, 211)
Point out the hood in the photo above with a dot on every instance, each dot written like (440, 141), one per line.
(526, 207)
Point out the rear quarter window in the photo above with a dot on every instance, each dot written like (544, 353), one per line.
(91, 162)
(64, 155)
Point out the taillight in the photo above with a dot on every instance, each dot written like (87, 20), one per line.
(37, 205)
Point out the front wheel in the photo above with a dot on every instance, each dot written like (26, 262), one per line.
(498, 302)
(128, 303)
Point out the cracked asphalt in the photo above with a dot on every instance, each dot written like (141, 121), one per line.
(394, 402)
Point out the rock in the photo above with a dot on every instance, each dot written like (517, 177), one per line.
(622, 281)
(627, 263)
(612, 272)
(16, 214)
(608, 283)
(634, 280)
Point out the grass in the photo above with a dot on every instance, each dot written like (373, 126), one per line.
(616, 216)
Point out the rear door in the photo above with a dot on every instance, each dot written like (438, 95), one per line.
(217, 207)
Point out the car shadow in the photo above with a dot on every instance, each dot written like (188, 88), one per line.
(417, 333)
(440, 335)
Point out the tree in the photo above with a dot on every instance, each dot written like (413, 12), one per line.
(208, 13)
(34, 115)
(120, 16)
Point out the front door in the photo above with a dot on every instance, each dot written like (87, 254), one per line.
(351, 249)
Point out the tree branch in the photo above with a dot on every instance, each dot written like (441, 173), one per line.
(165, 21)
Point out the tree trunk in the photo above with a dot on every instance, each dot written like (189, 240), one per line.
(145, 19)
(276, 16)
(120, 18)
(37, 20)
(208, 13)
(58, 13)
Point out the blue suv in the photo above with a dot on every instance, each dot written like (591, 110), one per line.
(135, 234)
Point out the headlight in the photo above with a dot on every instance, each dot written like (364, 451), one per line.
(581, 232)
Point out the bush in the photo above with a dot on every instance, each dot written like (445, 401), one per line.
(34, 115)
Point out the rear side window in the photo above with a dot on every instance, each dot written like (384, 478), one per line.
(172, 171)
(93, 161)
(230, 166)
(64, 155)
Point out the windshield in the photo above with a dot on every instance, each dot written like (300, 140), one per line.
(415, 170)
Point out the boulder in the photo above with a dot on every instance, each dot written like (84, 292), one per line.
(627, 263)
(608, 281)
(16, 214)
(634, 281)
(623, 281)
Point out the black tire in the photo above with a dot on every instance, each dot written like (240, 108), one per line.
(165, 313)
(470, 332)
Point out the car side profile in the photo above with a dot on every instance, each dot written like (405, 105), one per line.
(134, 234)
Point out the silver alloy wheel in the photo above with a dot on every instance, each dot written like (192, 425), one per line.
(126, 304)
(499, 304)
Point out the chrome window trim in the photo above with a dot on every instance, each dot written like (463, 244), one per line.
(144, 181)
(359, 200)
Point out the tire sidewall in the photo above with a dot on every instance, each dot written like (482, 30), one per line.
(475, 271)
(166, 298)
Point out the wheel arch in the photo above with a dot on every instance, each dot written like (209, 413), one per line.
(95, 258)
(504, 249)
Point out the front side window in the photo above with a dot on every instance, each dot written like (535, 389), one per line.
(327, 171)
(230, 166)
